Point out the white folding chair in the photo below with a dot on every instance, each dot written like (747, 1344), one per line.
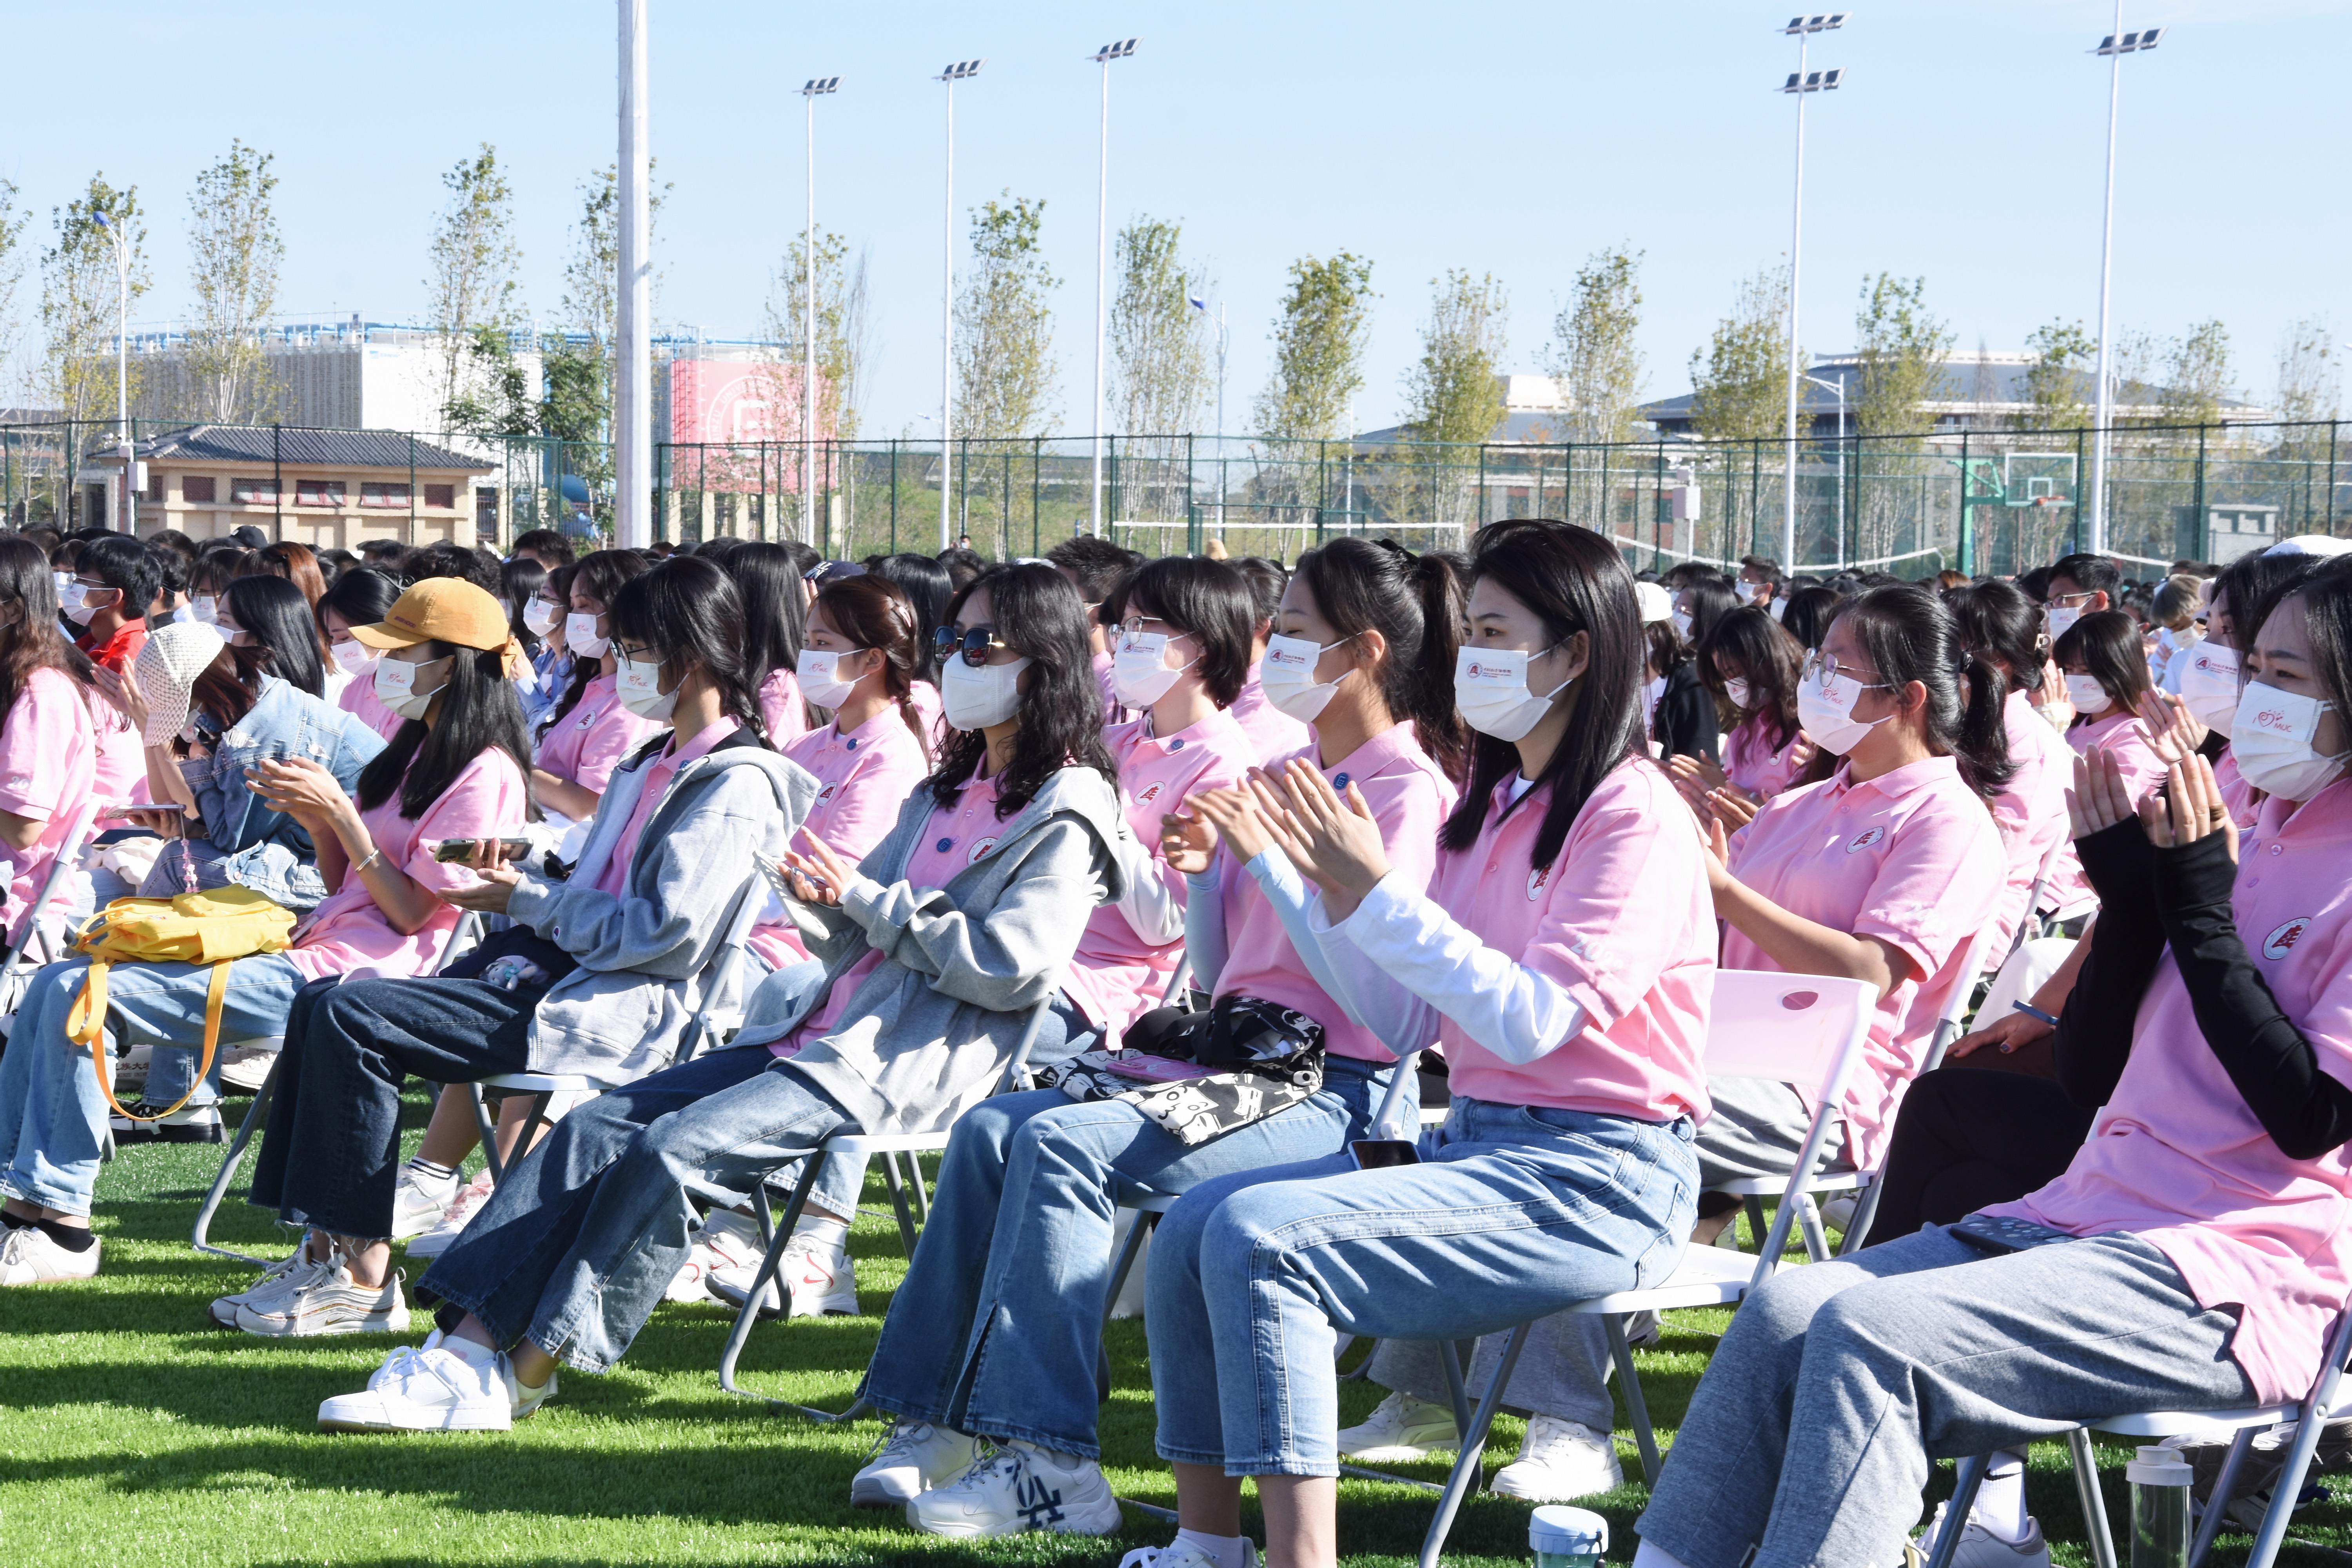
(82, 827)
(2311, 1414)
(1804, 1029)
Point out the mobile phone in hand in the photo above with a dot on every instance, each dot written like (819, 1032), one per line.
(1381, 1154)
(452, 851)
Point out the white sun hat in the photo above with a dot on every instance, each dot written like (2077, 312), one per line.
(166, 671)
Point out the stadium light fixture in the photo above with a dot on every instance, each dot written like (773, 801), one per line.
(1802, 84)
(2114, 46)
(961, 71)
(810, 91)
(1123, 49)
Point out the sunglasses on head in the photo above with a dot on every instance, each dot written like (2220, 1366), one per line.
(973, 643)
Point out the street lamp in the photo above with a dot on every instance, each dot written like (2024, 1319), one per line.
(122, 360)
(633, 425)
(1837, 387)
(1801, 83)
(1202, 305)
(1102, 57)
(814, 88)
(2115, 46)
(961, 71)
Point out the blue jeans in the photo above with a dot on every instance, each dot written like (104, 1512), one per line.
(1514, 1213)
(52, 1114)
(997, 1329)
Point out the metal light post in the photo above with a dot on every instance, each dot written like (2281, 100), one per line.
(2116, 45)
(632, 416)
(1801, 83)
(1202, 305)
(122, 449)
(1837, 387)
(958, 71)
(1102, 57)
(810, 91)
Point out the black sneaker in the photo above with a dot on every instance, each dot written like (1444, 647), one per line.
(189, 1124)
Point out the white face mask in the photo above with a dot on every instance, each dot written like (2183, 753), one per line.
(2271, 740)
(352, 656)
(820, 679)
(1139, 673)
(579, 636)
(1682, 624)
(1286, 676)
(71, 598)
(973, 696)
(1828, 716)
(638, 686)
(204, 608)
(1490, 686)
(1736, 690)
(2059, 619)
(395, 686)
(2087, 695)
(539, 615)
(2208, 686)
(1779, 608)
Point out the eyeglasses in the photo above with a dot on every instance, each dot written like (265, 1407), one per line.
(974, 643)
(1822, 669)
(1136, 625)
(2070, 600)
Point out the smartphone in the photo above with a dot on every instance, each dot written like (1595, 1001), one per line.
(452, 850)
(1381, 1153)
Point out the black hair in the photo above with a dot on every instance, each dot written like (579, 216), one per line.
(1415, 602)
(178, 544)
(544, 542)
(36, 641)
(774, 606)
(1210, 601)
(121, 561)
(1764, 566)
(218, 566)
(1808, 615)
(2106, 644)
(389, 553)
(718, 547)
(2324, 584)
(362, 595)
(873, 612)
(519, 580)
(1266, 581)
(2090, 574)
(273, 611)
(1712, 598)
(1574, 581)
(961, 564)
(479, 712)
(688, 607)
(1770, 658)
(804, 556)
(2252, 586)
(928, 587)
(1097, 564)
(1039, 613)
(479, 567)
(600, 574)
(171, 579)
(333, 564)
(2001, 624)
(1908, 635)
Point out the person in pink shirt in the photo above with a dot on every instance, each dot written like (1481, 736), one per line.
(359, 598)
(1096, 567)
(775, 608)
(49, 740)
(1274, 733)
(591, 729)
(2106, 681)
(1749, 665)
(2194, 1254)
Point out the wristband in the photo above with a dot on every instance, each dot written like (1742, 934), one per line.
(373, 856)
(2030, 1011)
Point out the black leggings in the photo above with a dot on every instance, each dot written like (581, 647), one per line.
(1967, 1137)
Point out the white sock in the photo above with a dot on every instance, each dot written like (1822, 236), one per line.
(827, 1232)
(2000, 1500)
(468, 1351)
(1227, 1551)
(442, 1174)
(1650, 1554)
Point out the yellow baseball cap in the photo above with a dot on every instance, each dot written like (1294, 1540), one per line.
(440, 609)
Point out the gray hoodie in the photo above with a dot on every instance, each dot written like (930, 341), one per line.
(645, 957)
(927, 1031)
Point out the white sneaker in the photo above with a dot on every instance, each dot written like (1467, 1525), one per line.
(463, 1207)
(1013, 1487)
(912, 1458)
(323, 1298)
(1560, 1461)
(224, 1308)
(1183, 1555)
(419, 1202)
(29, 1257)
(245, 1067)
(430, 1388)
(1401, 1428)
(727, 1240)
(1980, 1548)
(819, 1274)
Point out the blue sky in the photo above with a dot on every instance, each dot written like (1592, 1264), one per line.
(1966, 146)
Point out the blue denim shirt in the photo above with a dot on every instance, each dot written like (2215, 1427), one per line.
(285, 722)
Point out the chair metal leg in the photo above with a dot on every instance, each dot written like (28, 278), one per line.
(1636, 1407)
(2216, 1503)
(1755, 1207)
(923, 1194)
(2094, 1503)
(2280, 1513)
(899, 1204)
(1123, 1264)
(1474, 1442)
(1455, 1360)
(489, 1132)
(1956, 1513)
(1809, 1220)
(253, 1117)
(779, 1237)
(1865, 1212)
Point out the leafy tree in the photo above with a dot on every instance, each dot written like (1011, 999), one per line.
(1595, 360)
(233, 251)
(13, 225)
(842, 338)
(1318, 346)
(2065, 358)
(1161, 357)
(78, 310)
(1739, 384)
(2310, 381)
(1903, 350)
(494, 399)
(1452, 390)
(474, 260)
(1004, 323)
(2197, 376)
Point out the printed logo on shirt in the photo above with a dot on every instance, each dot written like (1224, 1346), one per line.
(827, 793)
(1536, 880)
(978, 849)
(1151, 793)
(2281, 943)
(1864, 839)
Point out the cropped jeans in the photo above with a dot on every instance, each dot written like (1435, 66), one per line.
(1514, 1213)
(997, 1329)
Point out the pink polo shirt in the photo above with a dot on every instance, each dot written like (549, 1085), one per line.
(781, 708)
(48, 763)
(2176, 1157)
(933, 712)
(1410, 796)
(1274, 732)
(586, 744)
(1104, 666)
(2122, 737)
(2244, 803)
(1621, 921)
(1911, 858)
(122, 760)
(954, 837)
(863, 778)
(658, 773)
(2031, 812)
(349, 933)
(359, 699)
(1116, 976)
(1751, 761)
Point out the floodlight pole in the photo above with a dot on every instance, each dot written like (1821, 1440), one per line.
(952, 75)
(1804, 27)
(632, 422)
(809, 94)
(1838, 386)
(1102, 58)
(1222, 340)
(2105, 416)
(122, 449)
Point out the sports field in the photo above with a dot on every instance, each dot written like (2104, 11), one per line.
(133, 1432)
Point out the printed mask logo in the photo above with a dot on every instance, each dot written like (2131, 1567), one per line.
(1864, 839)
(2281, 943)
(2273, 719)
(978, 849)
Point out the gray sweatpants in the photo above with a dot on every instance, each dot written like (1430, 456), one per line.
(1755, 1130)
(1812, 1433)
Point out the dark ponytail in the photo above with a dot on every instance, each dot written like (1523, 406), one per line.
(1909, 634)
(1415, 603)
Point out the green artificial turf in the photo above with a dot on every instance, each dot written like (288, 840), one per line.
(133, 1432)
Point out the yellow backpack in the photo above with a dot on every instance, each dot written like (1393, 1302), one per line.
(217, 927)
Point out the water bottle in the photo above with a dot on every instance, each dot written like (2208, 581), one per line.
(2159, 1508)
(1566, 1537)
